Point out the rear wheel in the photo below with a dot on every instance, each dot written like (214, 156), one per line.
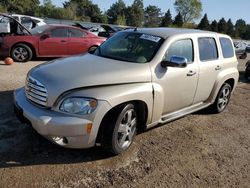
(21, 53)
(222, 99)
(120, 131)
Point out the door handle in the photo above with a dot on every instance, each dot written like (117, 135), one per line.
(191, 73)
(218, 68)
(63, 41)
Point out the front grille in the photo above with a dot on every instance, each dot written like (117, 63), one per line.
(36, 91)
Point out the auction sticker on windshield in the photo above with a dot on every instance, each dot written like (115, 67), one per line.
(150, 37)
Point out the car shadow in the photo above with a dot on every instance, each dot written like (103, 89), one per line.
(20, 145)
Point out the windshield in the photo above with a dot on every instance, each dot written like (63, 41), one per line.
(130, 46)
(39, 30)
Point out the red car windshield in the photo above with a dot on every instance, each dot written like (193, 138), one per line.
(39, 30)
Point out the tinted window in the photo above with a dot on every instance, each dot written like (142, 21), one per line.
(227, 47)
(76, 33)
(59, 32)
(207, 49)
(36, 21)
(16, 18)
(38, 30)
(183, 48)
(25, 20)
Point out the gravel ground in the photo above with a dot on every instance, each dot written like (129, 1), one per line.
(199, 150)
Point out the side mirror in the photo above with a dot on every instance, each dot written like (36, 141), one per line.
(175, 61)
(92, 49)
(44, 36)
(104, 34)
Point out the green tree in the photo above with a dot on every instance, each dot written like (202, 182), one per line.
(204, 23)
(84, 10)
(246, 35)
(121, 20)
(178, 21)
(104, 18)
(222, 26)
(2, 9)
(21, 7)
(240, 28)
(167, 19)
(47, 9)
(214, 26)
(135, 14)
(116, 10)
(152, 16)
(189, 9)
(230, 28)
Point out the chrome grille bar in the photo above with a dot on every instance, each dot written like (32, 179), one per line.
(36, 91)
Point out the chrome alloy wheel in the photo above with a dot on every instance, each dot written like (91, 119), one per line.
(20, 53)
(223, 98)
(127, 129)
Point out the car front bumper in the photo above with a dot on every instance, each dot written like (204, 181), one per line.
(60, 128)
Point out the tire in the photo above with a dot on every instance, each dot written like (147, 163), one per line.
(21, 53)
(243, 56)
(222, 99)
(120, 130)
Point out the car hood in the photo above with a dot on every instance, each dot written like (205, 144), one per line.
(87, 70)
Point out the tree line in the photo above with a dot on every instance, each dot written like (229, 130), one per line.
(134, 15)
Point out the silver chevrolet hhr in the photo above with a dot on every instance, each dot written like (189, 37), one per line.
(135, 80)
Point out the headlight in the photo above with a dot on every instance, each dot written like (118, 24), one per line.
(77, 105)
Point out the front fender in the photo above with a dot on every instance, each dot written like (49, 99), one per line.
(118, 94)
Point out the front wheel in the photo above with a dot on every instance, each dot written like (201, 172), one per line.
(222, 99)
(21, 53)
(119, 133)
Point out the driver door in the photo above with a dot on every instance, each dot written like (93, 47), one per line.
(179, 84)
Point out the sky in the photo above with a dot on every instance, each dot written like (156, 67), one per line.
(215, 9)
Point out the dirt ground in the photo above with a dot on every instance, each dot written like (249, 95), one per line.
(199, 150)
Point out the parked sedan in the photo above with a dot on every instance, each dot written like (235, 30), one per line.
(248, 48)
(240, 49)
(45, 41)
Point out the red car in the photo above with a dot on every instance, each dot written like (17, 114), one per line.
(44, 41)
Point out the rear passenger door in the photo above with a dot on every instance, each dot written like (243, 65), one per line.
(210, 66)
(79, 42)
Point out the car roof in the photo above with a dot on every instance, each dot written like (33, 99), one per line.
(166, 32)
(63, 25)
(21, 15)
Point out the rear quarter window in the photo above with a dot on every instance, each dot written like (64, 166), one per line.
(207, 49)
(227, 47)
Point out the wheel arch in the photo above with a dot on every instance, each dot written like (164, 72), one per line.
(231, 79)
(26, 43)
(141, 109)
